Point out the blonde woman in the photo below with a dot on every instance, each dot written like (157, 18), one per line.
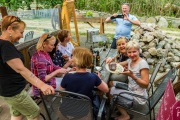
(138, 77)
(82, 81)
(42, 65)
(13, 74)
(120, 58)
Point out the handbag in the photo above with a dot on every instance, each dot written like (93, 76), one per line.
(121, 85)
(125, 100)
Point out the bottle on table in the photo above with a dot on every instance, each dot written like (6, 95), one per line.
(104, 46)
(91, 67)
(97, 59)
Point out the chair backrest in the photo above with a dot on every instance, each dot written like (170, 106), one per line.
(158, 93)
(29, 36)
(31, 50)
(154, 74)
(65, 105)
(99, 38)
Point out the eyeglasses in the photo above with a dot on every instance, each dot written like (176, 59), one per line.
(16, 20)
(48, 36)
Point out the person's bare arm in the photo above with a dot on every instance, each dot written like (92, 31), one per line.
(108, 19)
(17, 65)
(135, 22)
(103, 87)
(61, 88)
(58, 72)
(143, 81)
(69, 62)
(124, 63)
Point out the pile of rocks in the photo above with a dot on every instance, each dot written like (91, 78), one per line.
(156, 45)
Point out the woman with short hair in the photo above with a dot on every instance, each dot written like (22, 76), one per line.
(13, 73)
(138, 77)
(65, 46)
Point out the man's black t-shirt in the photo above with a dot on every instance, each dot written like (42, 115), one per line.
(11, 82)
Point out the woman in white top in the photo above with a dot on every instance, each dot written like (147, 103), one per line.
(138, 76)
(65, 46)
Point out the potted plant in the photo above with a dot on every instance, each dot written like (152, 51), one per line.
(89, 14)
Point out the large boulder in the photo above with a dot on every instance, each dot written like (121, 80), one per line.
(176, 23)
(162, 22)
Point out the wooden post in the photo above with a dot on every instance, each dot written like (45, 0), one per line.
(101, 26)
(3, 11)
(68, 11)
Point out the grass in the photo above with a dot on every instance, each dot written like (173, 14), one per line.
(172, 29)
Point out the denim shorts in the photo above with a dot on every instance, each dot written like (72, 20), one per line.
(23, 104)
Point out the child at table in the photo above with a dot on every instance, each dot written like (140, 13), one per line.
(83, 82)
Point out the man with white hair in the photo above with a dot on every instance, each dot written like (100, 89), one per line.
(124, 23)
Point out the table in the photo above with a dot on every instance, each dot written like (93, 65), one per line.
(104, 54)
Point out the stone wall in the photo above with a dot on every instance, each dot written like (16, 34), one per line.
(161, 21)
(156, 45)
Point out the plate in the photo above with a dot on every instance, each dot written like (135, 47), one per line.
(119, 68)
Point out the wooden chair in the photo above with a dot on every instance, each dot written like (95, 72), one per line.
(65, 105)
(29, 36)
(151, 101)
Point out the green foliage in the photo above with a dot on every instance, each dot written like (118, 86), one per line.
(89, 14)
(138, 7)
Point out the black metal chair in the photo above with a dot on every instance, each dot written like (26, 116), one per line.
(65, 105)
(31, 50)
(151, 101)
(153, 75)
(29, 36)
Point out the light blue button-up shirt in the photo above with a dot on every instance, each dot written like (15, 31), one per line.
(123, 27)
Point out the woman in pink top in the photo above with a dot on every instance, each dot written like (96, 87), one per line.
(42, 65)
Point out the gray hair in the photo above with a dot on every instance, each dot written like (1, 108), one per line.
(132, 44)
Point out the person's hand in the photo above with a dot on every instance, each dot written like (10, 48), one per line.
(62, 71)
(126, 16)
(72, 69)
(108, 60)
(47, 89)
(115, 15)
(69, 62)
(128, 73)
(66, 57)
